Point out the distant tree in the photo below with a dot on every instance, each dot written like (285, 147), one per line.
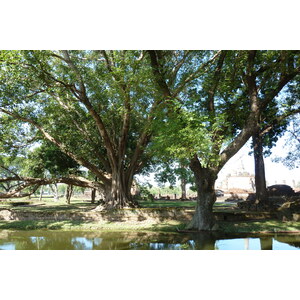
(11, 184)
(170, 172)
(48, 160)
(45, 165)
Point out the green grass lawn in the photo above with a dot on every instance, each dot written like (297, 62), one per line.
(183, 204)
(167, 226)
(47, 204)
(268, 226)
(167, 203)
(77, 205)
(259, 226)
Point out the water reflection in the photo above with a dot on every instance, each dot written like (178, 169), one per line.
(61, 240)
(246, 243)
(7, 246)
(266, 243)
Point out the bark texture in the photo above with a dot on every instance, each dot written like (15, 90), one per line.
(118, 194)
(205, 178)
(260, 177)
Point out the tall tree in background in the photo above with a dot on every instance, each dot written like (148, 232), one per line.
(262, 143)
(274, 120)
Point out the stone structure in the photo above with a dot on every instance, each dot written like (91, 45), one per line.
(239, 181)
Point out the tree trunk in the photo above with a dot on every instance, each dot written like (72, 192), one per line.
(69, 193)
(183, 189)
(41, 193)
(205, 178)
(260, 177)
(55, 191)
(118, 194)
(93, 196)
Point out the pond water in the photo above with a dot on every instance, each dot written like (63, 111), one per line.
(77, 240)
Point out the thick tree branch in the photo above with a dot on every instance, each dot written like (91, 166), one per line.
(252, 123)
(177, 67)
(127, 107)
(216, 81)
(85, 133)
(159, 78)
(284, 80)
(83, 98)
(193, 76)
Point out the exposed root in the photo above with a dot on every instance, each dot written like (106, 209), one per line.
(108, 206)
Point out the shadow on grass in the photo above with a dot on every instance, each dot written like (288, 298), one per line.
(259, 226)
(45, 224)
(43, 207)
(167, 204)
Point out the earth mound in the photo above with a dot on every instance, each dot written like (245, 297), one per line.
(278, 194)
(280, 190)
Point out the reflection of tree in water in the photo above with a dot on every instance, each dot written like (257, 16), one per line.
(295, 244)
(22, 242)
(31, 240)
(58, 240)
(266, 243)
(53, 240)
(292, 240)
(197, 241)
(204, 241)
(81, 243)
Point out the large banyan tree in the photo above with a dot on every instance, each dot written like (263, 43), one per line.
(96, 107)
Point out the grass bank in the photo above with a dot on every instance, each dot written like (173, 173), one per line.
(263, 226)
(170, 226)
(268, 226)
(165, 225)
